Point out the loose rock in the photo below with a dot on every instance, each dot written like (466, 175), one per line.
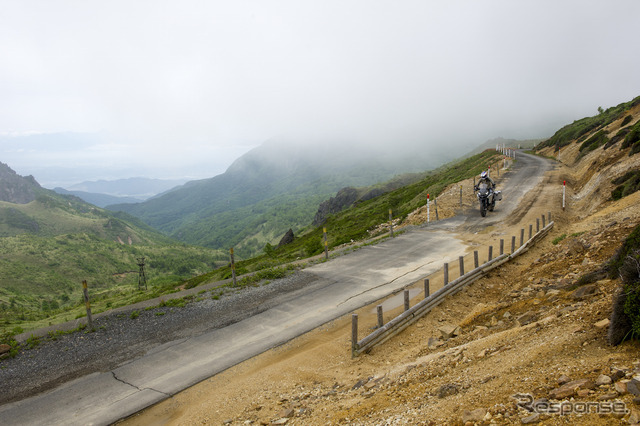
(476, 415)
(534, 418)
(526, 318)
(570, 388)
(584, 292)
(603, 379)
(448, 390)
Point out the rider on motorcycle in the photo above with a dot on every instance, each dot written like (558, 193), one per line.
(484, 178)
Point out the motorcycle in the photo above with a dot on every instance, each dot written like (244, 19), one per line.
(487, 198)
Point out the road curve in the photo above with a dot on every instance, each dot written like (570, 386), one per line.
(334, 288)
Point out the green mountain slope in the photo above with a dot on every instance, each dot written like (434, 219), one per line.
(274, 187)
(50, 244)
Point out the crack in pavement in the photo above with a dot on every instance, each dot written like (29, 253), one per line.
(383, 284)
(113, 373)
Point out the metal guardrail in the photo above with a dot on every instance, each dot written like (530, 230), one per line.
(409, 316)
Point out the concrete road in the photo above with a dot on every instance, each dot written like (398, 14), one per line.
(337, 288)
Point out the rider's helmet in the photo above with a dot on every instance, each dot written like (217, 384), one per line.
(483, 175)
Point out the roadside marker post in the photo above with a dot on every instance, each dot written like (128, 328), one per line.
(428, 213)
(354, 334)
(564, 190)
(390, 223)
(233, 267)
(326, 244)
(87, 304)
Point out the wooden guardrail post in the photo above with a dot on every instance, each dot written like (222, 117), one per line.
(405, 319)
(530, 231)
(426, 288)
(406, 300)
(476, 262)
(446, 274)
(549, 213)
(501, 246)
(354, 334)
(233, 267)
(543, 221)
(380, 316)
(521, 236)
(461, 262)
(490, 255)
(513, 243)
(537, 225)
(87, 304)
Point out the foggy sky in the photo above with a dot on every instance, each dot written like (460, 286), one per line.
(186, 86)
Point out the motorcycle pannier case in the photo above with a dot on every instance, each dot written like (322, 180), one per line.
(498, 196)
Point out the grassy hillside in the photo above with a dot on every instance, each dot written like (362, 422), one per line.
(50, 245)
(581, 130)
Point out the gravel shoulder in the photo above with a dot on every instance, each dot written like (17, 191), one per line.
(127, 334)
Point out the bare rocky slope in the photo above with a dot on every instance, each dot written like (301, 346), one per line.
(531, 346)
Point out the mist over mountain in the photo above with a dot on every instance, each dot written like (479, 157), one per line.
(274, 187)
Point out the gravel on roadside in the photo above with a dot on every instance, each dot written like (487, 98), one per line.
(126, 335)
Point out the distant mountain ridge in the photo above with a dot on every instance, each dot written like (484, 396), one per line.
(100, 200)
(15, 188)
(274, 187)
(137, 188)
